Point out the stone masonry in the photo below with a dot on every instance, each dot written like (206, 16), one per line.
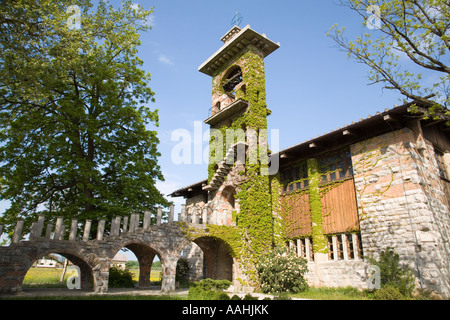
(401, 204)
(94, 256)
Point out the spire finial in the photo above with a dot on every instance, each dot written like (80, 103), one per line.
(237, 19)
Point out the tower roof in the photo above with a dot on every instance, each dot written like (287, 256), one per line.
(235, 40)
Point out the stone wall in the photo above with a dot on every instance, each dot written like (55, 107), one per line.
(340, 273)
(401, 204)
(194, 255)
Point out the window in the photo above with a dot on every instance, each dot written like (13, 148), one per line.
(232, 80)
(335, 167)
(295, 177)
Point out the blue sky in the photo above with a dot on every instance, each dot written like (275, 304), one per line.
(312, 88)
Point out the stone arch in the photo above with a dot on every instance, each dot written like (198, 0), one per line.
(145, 254)
(75, 257)
(218, 259)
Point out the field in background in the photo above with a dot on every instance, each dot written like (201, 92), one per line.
(51, 276)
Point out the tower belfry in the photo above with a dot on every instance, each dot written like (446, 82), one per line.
(238, 93)
(238, 108)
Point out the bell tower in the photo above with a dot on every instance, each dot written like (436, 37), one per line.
(238, 95)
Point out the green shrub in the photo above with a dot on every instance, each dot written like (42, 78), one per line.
(388, 293)
(282, 271)
(209, 289)
(392, 274)
(120, 278)
(182, 269)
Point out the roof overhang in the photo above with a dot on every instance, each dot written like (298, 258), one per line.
(234, 44)
(190, 189)
(380, 123)
(226, 112)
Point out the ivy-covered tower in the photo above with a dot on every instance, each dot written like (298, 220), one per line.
(238, 187)
(238, 94)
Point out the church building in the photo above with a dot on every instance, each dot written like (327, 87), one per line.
(382, 182)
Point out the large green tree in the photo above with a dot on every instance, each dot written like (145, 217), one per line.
(77, 134)
(406, 45)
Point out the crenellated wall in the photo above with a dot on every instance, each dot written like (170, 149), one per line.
(94, 256)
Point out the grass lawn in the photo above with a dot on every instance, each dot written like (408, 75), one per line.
(347, 293)
(50, 276)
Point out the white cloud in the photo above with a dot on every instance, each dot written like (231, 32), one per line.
(163, 59)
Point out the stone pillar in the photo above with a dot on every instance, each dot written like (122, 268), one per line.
(299, 247)
(132, 223)
(48, 231)
(58, 229)
(171, 213)
(344, 246)
(169, 266)
(100, 273)
(158, 216)
(115, 226)
(307, 249)
(125, 224)
(147, 219)
(145, 265)
(73, 230)
(355, 244)
(194, 215)
(17, 235)
(62, 233)
(39, 227)
(335, 248)
(32, 232)
(205, 216)
(182, 217)
(100, 230)
(87, 230)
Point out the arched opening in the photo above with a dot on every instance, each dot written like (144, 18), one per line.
(143, 262)
(217, 258)
(232, 79)
(58, 270)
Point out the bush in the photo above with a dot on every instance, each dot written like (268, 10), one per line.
(120, 278)
(208, 289)
(388, 293)
(282, 271)
(182, 269)
(392, 274)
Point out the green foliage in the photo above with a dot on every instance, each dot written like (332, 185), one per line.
(408, 53)
(393, 275)
(388, 293)
(132, 264)
(120, 278)
(318, 234)
(182, 269)
(282, 271)
(74, 113)
(209, 289)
